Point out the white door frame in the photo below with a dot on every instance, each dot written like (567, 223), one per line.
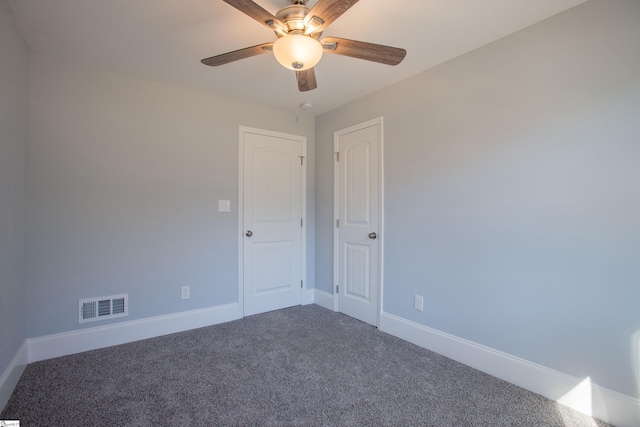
(241, 240)
(377, 121)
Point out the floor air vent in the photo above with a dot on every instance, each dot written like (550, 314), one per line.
(103, 308)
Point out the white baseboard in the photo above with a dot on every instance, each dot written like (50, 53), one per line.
(607, 405)
(12, 374)
(323, 299)
(66, 343)
(308, 296)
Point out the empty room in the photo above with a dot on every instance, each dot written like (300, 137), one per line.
(322, 212)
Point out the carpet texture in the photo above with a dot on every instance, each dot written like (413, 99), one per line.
(301, 366)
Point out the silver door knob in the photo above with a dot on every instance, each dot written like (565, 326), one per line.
(249, 233)
(373, 235)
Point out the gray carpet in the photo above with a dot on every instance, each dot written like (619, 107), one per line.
(302, 366)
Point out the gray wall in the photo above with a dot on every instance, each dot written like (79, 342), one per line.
(13, 150)
(125, 175)
(513, 194)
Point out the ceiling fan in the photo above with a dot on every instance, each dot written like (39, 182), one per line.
(299, 47)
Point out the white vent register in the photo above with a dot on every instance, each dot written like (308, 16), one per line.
(103, 308)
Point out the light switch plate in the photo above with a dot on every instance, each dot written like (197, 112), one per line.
(224, 206)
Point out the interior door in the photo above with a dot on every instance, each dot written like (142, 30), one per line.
(358, 180)
(272, 220)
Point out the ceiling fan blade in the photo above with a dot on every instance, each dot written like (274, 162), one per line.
(256, 12)
(328, 11)
(236, 55)
(306, 80)
(363, 50)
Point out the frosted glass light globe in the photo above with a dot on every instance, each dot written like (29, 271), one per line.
(297, 52)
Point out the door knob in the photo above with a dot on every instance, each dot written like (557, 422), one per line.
(373, 235)
(249, 233)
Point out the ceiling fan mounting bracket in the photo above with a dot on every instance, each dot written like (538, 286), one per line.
(330, 45)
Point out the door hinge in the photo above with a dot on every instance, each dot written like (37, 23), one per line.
(301, 283)
(337, 156)
(337, 289)
(337, 223)
(301, 160)
(301, 222)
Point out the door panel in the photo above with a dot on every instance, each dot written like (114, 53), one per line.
(272, 244)
(273, 178)
(272, 266)
(357, 186)
(358, 203)
(357, 266)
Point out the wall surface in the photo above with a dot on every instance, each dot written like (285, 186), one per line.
(512, 201)
(512, 196)
(125, 178)
(13, 153)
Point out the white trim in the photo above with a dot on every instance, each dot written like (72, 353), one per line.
(303, 242)
(336, 214)
(12, 373)
(308, 296)
(379, 122)
(242, 131)
(382, 234)
(303, 213)
(607, 405)
(66, 343)
(323, 299)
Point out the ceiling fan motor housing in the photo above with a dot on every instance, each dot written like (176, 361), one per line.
(293, 17)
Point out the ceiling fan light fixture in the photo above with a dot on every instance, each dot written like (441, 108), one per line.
(297, 52)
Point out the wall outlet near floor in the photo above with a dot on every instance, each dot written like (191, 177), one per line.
(418, 302)
(186, 292)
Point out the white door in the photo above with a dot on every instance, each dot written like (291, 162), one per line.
(272, 176)
(358, 181)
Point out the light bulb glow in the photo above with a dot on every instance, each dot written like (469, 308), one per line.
(297, 52)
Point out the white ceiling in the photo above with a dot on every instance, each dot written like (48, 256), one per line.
(164, 40)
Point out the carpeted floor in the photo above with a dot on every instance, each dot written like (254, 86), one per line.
(301, 366)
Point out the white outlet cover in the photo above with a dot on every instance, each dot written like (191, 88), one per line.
(418, 302)
(186, 292)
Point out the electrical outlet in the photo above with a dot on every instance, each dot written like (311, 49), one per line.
(418, 302)
(186, 292)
